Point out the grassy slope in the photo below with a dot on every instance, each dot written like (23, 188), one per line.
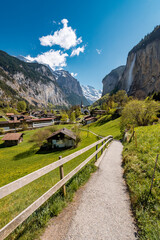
(20, 160)
(139, 165)
(109, 128)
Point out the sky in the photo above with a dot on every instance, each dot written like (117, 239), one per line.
(86, 38)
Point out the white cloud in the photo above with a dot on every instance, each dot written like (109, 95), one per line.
(99, 51)
(74, 74)
(52, 58)
(77, 51)
(65, 37)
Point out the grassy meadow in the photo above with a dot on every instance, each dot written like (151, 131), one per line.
(105, 129)
(139, 165)
(20, 160)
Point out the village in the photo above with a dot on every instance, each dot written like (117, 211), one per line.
(13, 126)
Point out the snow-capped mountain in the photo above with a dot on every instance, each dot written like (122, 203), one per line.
(91, 93)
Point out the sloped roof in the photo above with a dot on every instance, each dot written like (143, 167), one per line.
(12, 136)
(65, 131)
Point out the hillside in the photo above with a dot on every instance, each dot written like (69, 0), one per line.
(139, 165)
(37, 84)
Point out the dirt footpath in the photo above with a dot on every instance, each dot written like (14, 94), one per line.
(101, 209)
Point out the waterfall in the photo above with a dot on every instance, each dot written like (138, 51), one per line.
(130, 73)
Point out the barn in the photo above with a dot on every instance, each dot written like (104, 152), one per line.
(12, 139)
(62, 138)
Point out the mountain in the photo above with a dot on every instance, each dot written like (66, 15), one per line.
(30, 81)
(71, 87)
(68, 85)
(91, 94)
(111, 80)
(142, 73)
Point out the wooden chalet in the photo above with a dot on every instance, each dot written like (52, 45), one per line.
(62, 138)
(12, 139)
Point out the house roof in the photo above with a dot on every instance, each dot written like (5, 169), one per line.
(9, 114)
(91, 118)
(64, 131)
(12, 136)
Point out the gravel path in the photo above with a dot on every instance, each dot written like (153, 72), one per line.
(104, 209)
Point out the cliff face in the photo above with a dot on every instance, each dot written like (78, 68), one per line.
(142, 73)
(31, 81)
(110, 82)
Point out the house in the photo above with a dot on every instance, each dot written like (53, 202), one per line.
(62, 138)
(9, 114)
(12, 139)
(89, 120)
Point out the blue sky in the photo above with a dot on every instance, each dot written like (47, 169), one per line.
(111, 26)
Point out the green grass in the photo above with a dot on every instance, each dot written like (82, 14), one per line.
(109, 128)
(2, 119)
(20, 160)
(138, 170)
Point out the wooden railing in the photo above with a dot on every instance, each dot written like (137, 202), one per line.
(13, 186)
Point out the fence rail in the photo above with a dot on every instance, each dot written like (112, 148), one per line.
(13, 186)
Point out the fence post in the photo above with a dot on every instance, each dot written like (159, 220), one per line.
(61, 177)
(96, 150)
(102, 149)
(105, 144)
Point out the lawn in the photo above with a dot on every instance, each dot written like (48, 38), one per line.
(139, 166)
(20, 160)
(109, 128)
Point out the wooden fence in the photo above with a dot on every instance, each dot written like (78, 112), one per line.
(13, 186)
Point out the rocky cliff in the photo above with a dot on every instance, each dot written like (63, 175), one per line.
(141, 76)
(30, 81)
(111, 80)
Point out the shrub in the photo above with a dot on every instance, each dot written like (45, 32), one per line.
(39, 137)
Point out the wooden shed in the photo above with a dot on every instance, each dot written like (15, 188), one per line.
(62, 138)
(11, 139)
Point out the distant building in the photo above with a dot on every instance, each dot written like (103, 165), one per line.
(89, 120)
(12, 139)
(62, 138)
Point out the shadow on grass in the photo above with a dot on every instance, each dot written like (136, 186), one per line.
(25, 154)
(2, 145)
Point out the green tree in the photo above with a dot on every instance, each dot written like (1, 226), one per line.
(21, 106)
(73, 117)
(77, 112)
(64, 117)
(139, 113)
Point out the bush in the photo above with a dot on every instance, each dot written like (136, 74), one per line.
(24, 126)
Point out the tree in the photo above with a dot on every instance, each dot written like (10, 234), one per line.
(64, 117)
(139, 113)
(77, 112)
(21, 106)
(73, 117)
